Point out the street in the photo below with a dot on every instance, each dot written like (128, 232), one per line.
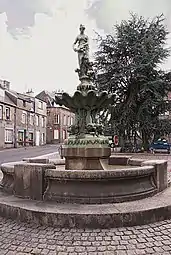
(12, 155)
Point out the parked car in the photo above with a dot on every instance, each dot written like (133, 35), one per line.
(160, 146)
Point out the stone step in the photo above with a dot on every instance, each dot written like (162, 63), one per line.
(138, 212)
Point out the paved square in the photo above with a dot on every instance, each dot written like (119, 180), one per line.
(20, 238)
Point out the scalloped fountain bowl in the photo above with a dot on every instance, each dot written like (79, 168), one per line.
(89, 100)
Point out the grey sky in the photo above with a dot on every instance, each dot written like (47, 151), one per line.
(108, 12)
(21, 13)
(45, 59)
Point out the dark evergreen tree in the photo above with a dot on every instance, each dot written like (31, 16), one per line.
(128, 66)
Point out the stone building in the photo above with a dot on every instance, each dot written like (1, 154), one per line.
(40, 122)
(59, 118)
(23, 120)
(7, 118)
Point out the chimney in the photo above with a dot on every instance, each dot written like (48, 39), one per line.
(59, 93)
(30, 93)
(5, 84)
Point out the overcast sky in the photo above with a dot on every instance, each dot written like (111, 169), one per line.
(36, 36)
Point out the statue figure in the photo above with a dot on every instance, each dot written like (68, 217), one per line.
(81, 46)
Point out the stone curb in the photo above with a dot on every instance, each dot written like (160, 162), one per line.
(44, 156)
(139, 212)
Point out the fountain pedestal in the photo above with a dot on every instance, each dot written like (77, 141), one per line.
(86, 153)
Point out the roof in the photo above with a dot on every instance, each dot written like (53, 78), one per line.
(46, 96)
(20, 96)
(49, 98)
(59, 106)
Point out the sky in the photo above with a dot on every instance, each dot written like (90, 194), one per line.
(36, 37)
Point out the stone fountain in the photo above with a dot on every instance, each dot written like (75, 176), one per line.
(90, 187)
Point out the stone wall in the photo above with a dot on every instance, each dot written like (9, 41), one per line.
(100, 187)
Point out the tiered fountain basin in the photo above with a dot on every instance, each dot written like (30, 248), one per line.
(126, 192)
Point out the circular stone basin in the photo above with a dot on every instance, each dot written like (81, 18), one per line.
(109, 167)
(116, 184)
(99, 191)
(122, 179)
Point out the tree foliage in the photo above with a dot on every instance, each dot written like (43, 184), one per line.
(128, 66)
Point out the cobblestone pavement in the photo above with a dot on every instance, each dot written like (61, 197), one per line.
(21, 238)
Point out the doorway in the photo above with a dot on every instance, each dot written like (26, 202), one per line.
(37, 138)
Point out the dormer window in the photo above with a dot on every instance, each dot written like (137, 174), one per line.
(23, 118)
(40, 105)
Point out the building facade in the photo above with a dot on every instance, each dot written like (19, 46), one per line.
(58, 121)
(59, 118)
(18, 119)
(7, 120)
(40, 122)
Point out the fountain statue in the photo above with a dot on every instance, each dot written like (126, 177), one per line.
(85, 69)
(83, 47)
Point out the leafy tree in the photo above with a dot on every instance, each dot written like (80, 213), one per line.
(128, 66)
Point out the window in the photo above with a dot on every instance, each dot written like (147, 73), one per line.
(20, 136)
(56, 119)
(37, 120)
(72, 121)
(7, 113)
(40, 105)
(30, 136)
(43, 138)
(56, 134)
(23, 118)
(1, 112)
(68, 121)
(64, 120)
(64, 134)
(24, 103)
(31, 119)
(32, 107)
(8, 136)
(43, 122)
